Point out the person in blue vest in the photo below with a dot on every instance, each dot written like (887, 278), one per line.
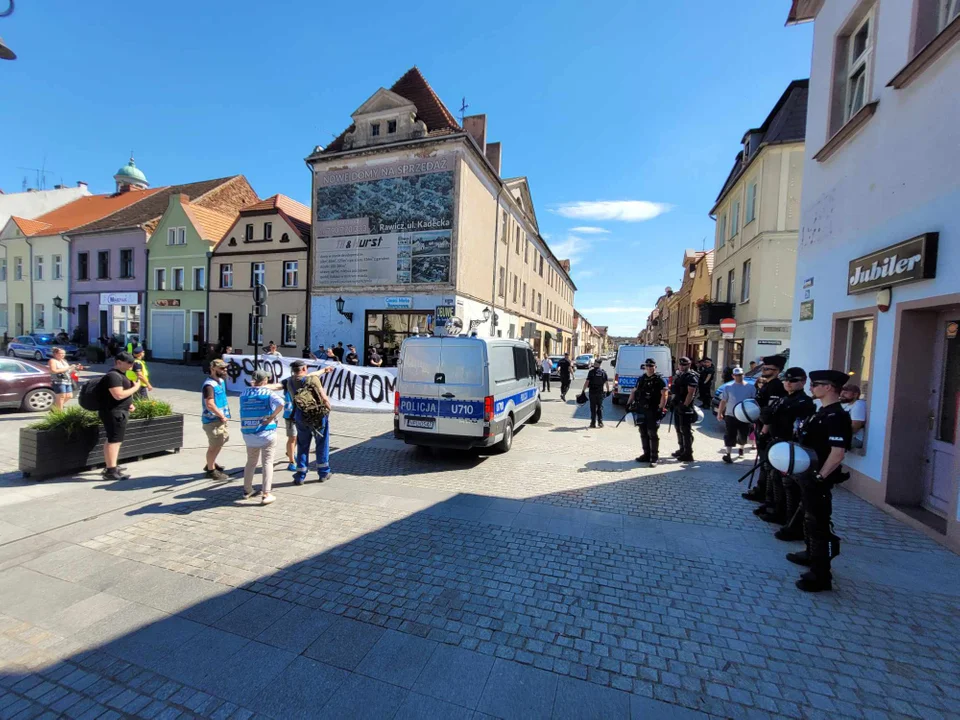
(306, 433)
(290, 426)
(214, 416)
(259, 409)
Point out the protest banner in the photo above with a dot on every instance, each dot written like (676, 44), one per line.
(349, 386)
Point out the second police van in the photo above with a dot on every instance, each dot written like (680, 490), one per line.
(629, 364)
(464, 392)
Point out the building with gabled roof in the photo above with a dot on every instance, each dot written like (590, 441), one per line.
(108, 256)
(412, 222)
(267, 243)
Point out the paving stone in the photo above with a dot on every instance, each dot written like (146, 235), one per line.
(344, 643)
(455, 675)
(579, 699)
(207, 652)
(297, 629)
(362, 697)
(515, 691)
(247, 672)
(397, 658)
(254, 616)
(424, 707)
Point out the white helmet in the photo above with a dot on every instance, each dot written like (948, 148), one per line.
(791, 458)
(747, 411)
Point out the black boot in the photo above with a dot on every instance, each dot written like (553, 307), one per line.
(754, 495)
(676, 453)
(759, 511)
(789, 534)
(772, 516)
(643, 458)
(818, 579)
(654, 460)
(800, 558)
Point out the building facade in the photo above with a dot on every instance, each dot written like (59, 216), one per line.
(108, 257)
(879, 251)
(412, 224)
(586, 338)
(268, 244)
(178, 268)
(758, 218)
(34, 203)
(700, 266)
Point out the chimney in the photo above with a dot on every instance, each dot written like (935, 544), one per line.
(493, 155)
(81, 184)
(476, 127)
(58, 187)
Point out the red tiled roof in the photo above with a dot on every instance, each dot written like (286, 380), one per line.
(210, 223)
(430, 109)
(29, 227)
(297, 214)
(87, 209)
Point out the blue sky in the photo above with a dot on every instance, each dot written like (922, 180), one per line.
(625, 116)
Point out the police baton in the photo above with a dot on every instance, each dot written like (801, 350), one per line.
(750, 472)
(626, 411)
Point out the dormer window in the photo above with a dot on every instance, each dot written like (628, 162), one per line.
(391, 127)
(374, 129)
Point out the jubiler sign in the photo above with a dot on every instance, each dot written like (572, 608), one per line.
(910, 261)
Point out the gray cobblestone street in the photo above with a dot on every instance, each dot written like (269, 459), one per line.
(558, 580)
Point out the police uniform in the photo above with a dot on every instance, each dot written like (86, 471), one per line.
(830, 427)
(596, 381)
(683, 414)
(564, 369)
(783, 494)
(768, 395)
(706, 383)
(647, 396)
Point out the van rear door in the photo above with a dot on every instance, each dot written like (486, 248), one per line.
(462, 387)
(419, 393)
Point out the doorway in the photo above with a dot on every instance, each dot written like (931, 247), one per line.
(83, 322)
(197, 331)
(105, 324)
(18, 319)
(943, 409)
(225, 330)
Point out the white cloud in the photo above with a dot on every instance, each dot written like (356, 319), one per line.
(584, 273)
(619, 309)
(624, 210)
(589, 230)
(570, 248)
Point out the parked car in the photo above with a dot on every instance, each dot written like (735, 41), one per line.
(38, 347)
(25, 386)
(555, 373)
(585, 361)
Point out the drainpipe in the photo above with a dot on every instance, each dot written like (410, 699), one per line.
(206, 330)
(145, 308)
(30, 307)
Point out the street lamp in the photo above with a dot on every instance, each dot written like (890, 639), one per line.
(347, 315)
(58, 304)
(474, 324)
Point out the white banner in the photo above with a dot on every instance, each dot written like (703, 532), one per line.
(349, 386)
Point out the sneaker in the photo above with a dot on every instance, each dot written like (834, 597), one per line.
(727, 458)
(114, 474)
(221, 468)
(218, 475)
(298, 481)
(267, 499)
(741, 452)
(292, 467)
(247, 494)
(799, 558)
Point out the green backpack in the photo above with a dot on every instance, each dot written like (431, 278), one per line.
(309, 402)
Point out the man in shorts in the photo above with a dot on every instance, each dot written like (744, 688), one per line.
(214, 416)
(116, 404)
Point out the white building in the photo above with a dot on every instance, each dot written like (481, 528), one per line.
(877, 290)
(33, 203)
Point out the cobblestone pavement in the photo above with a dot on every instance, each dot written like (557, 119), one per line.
(559, 580)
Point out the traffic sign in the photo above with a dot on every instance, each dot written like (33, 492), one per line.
(259, 311)
(728, 326)
(259, 294)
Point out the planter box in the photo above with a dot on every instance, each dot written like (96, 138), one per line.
(49, 453)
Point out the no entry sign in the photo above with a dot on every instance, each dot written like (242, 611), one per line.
(728, 326)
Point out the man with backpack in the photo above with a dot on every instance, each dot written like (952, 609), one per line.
(311, 415)
(112, 399)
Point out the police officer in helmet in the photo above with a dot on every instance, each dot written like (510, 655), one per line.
(647, 400)
(598, 385)
(828, 433)
(780, 423)
(684, 391)
(768, 395)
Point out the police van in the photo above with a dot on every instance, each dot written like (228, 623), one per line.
(629, 367)
(464, 392)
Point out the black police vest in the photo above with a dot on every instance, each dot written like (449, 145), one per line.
(649, 388)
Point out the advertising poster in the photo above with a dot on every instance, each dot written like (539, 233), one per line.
(386, 224)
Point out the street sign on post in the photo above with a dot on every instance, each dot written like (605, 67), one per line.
(728, 326)
(259, 310)
(259, 294)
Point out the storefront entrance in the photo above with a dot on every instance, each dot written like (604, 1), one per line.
(733, 353)
(944, 408)
(387, 330)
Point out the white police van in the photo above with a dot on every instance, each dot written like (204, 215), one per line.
(464, 392)
(629, 364)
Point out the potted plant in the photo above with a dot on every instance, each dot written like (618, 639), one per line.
(72, 440)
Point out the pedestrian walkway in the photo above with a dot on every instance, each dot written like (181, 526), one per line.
(559, 580)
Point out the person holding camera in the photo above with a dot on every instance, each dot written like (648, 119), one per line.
(647, 401)
(684, 392)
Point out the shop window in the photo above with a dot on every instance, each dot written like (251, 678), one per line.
(853, 352)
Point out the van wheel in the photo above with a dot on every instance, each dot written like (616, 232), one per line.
(535, 418)
(507, 442)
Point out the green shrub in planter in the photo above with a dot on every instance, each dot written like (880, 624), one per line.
(150, 409)
(71, 421)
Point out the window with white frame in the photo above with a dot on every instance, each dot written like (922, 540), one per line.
(257, 274)
(58, 318)
(171, 236)
(83, 266)
(291, 273)
(288, 330)
(730, 287)
(374, 129)
(39, 321)
(734, 219)
(58, 267)
(199, 278)
(38, 267)
(18, 268)
(751, 209)
(103, 265)
(859, 55)
(248, 233)
(722, 229)
(268, 231)
(160, 279)
(226, 275)
(178, 278)
(254, 330)
(745, 282)
(126, 263)
(181, 236)
(501, 282)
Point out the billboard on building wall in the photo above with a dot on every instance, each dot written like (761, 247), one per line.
(384, 224)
